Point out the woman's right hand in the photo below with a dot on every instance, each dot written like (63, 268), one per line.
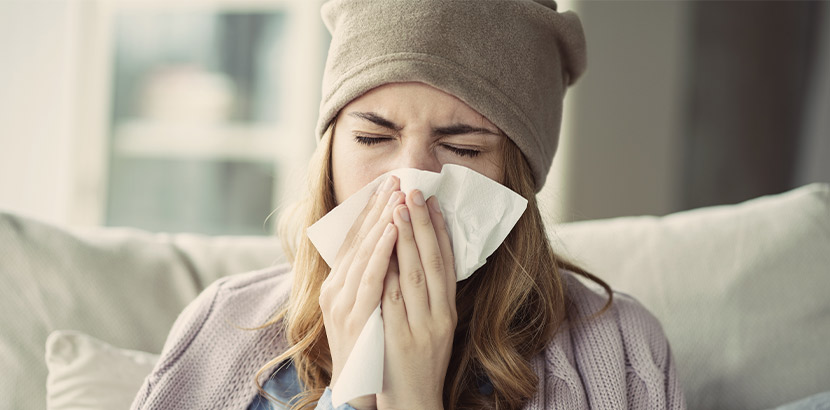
(354, 286)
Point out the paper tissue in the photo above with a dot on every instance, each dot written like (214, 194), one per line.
(479, 213)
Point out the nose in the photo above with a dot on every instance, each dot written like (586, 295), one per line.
(419, 156)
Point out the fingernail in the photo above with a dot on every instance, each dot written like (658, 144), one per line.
(434, 205)
(392, 199)
(390, 182)
(418, 198)
(404, 214)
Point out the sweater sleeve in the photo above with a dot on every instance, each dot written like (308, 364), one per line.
(188, 324)
(651, 375)
(674, 391)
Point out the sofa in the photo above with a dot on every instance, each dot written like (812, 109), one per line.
(742, 292)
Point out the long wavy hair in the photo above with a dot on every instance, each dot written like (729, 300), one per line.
(521, 282)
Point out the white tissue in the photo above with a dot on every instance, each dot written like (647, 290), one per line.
(479, 213)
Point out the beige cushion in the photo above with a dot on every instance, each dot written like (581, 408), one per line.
(123, 286)
(743, 291)
(87, 373)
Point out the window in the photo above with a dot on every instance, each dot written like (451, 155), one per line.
(213, 106)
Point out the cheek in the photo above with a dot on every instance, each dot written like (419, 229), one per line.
(350, 171)
(495, 169)
(493, 165)
(488, 164)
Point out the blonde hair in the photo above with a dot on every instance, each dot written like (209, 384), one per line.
(521, 282)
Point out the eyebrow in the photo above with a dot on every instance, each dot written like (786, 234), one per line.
(454, 129)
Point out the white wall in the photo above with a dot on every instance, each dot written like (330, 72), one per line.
(36, 62)
(54, 89)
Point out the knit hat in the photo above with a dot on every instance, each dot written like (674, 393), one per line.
(510, 60)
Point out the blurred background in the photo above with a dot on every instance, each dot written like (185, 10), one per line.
(198, 115)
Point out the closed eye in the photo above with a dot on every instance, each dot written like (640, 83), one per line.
(462, 152)
(370, 140)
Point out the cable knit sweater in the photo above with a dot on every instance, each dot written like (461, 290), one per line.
(620, 359)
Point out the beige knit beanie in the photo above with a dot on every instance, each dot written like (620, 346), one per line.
(510, 60)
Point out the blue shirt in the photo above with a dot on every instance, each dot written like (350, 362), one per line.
(284, 384)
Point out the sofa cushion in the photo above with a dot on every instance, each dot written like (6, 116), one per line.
(742, 291)
(88, 373)
(123, 286)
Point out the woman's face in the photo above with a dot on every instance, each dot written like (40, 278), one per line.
(410, 125)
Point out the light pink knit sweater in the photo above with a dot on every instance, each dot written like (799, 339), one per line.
(619, 360)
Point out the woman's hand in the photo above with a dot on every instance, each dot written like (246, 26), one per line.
(354, 287)
(418, 307)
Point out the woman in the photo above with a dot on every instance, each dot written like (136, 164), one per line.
(421, 84)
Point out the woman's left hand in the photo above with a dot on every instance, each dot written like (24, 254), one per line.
(418, 308)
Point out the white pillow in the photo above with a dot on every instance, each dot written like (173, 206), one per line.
(741, 291)
(87, 373)
(125, 286)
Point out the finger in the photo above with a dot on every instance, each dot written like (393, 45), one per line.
(353, 241)
(357, 268)
(445, 244)
(392, 306)
(384, 191)
(336, 275)
(430, 252)
(356, 227)
(412, 274)
(372, 283)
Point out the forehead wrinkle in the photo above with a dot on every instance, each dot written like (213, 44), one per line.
(462, 129)
(376, 119)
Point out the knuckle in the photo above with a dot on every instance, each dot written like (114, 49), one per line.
(370, 278)
(415, 276)
(325, 296)
(351, 325)
(328, 307)
(338, 309)
(445, 325)
(435, 263)
(363, 253)
(358, 239)
(394, 295)
(422, 220)
(405, 234)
